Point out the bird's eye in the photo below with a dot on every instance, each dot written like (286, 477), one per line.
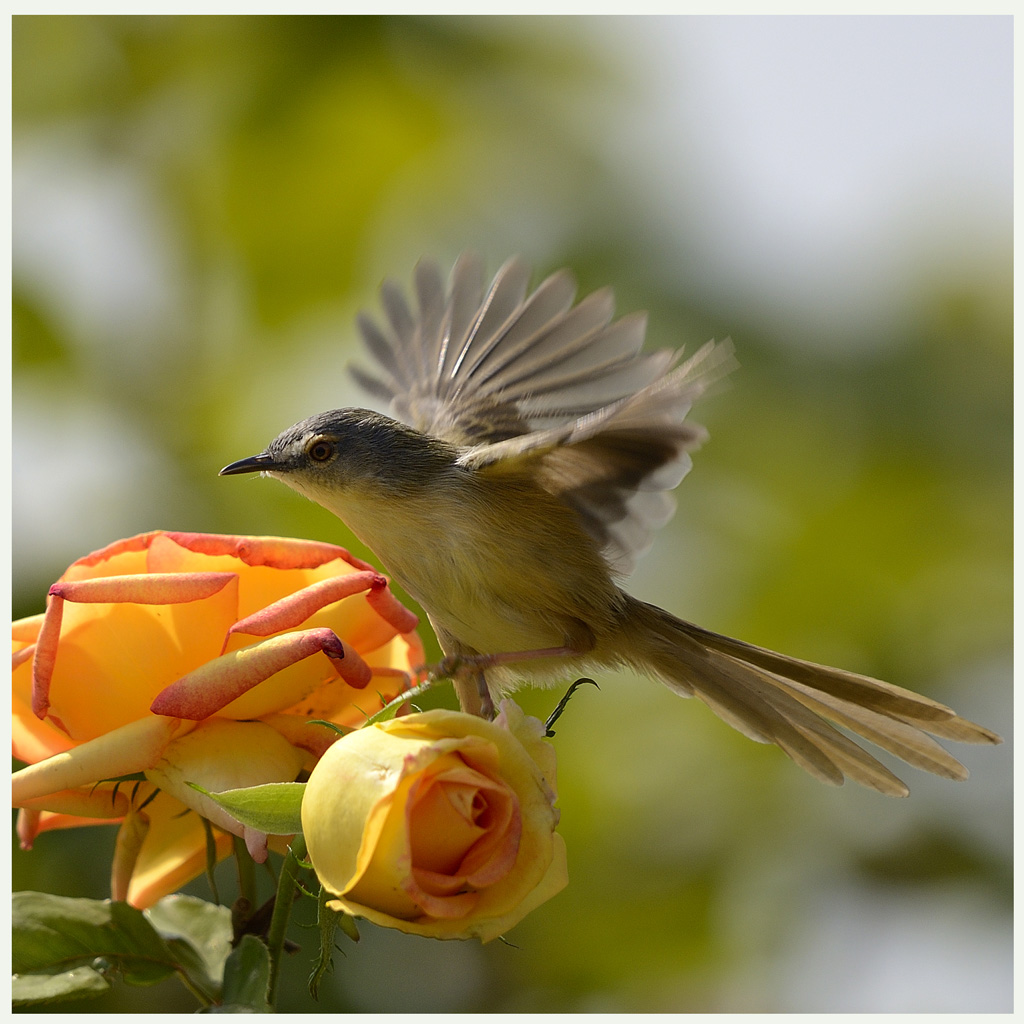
(320, 451)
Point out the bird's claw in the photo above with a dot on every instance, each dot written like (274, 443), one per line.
(461, 666)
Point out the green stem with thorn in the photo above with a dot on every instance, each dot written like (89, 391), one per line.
(287, 882)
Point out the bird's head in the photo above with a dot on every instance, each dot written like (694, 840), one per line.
(348, 451)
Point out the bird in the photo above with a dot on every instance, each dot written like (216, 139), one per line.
(528, 459)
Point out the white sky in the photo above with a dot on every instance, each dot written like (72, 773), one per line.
(827, 161)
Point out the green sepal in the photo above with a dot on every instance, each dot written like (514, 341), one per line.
(341, 730)
(391, 709)
(273, 808)
(347, 923)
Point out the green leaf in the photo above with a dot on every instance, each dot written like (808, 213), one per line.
(199, 933)
(247, 978)
(78, 983)
(63, 948)
(272, 808)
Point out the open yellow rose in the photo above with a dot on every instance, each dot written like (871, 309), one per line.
(193, 658)
(439, 823)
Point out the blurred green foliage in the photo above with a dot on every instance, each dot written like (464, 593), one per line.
(250, 180)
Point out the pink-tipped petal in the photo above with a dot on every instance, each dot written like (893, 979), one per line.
(46, 656)
(216, 684)
(99, 802)
(131, 748)
(383, 672)
(28, 827)
(389, 608)
(144, 588)
(294, 609)
(353, 669)
(276, 552)
(255, 843)
(49, 821)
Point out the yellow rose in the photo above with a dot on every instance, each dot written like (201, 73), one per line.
(439, 823)
(193, 658)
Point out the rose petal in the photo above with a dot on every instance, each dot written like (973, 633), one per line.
(441, 821)
(271, 568)
(130, 837)
(31, 739)
(219, 755)
(390, 608)
(26, 631)
(46, 656)
(113, 659)
(144, 588)
(276, 552)
(125, 622)
(255, 843)
(173, 853)
(132, 748)
(539, 868)
(28, 827)
(52, 822)
(466, 825)
(212, 688)
(107, 801)
(293, 610)
(119, 558)
(345, 706)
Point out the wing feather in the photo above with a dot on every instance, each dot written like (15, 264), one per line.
(532, 382)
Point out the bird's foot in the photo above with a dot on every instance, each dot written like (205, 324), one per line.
(466, 671)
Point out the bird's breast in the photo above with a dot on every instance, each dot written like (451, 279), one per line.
(499, 570)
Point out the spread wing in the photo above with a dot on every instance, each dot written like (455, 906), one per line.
(520, 379)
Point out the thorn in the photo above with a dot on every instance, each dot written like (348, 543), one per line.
(560, 707)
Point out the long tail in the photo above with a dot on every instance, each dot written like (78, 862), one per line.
(775, 699)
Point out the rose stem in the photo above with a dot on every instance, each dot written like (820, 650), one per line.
(287, 882)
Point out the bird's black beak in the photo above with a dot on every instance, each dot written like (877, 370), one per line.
(253, 464)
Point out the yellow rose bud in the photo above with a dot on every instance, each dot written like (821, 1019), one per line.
(439, 824)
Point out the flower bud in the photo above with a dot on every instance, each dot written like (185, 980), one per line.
(438, 824)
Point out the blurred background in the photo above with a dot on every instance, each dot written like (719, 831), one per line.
(202, 204)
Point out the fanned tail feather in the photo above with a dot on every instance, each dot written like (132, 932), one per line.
(790, 702)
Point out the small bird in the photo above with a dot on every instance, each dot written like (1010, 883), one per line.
(529, 462)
